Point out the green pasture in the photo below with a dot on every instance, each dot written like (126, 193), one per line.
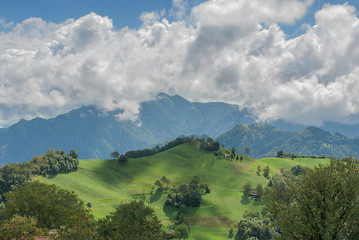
(106, 183)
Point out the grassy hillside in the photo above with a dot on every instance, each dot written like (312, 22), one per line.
(105, 183)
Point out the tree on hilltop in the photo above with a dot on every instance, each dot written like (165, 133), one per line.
(115, 155)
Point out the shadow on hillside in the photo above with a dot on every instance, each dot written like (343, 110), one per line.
(245, 200)
(169, 211)
(51, 176)
(110, 171)
(156, 196)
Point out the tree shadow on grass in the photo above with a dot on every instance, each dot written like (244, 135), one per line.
(51, 176)
(156, 196)
(257, 202)
(170, 211)
(245, 200)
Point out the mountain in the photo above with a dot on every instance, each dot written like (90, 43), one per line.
(332, 127)
(95, 134)
(266, 140)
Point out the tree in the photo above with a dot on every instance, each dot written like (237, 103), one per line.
(247, 189)
(73, 153)
(266, 172)
(50, 205)
(259, 189)
(256, 228)
(231, 233)
(259, 169)
(279, 154)
(123, 159)
(192, 199)
(132, 220)
(247, 150)
(115, 155)
(182, 229)
(77, 228)
(195, 181)
(159, 184)
(298, 170)
(19, 227)
(321, 204)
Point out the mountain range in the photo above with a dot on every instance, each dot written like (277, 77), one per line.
(95, 134)
(265, 140)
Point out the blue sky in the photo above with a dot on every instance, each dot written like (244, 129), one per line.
(295, 60)
(122, 12)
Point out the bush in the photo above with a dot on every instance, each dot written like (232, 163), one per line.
(19, 227)
(132, 220)
(50, 205)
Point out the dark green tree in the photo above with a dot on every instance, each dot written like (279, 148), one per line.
(298, 170)
(73, 153)
(132, 220)
(48, 204)
(266, 172)
(256, 228)
(123, 159)
(279, 154)
(192, 198)
(195, 181)
(259, 189)
(115, 155)
(247, 189)
(322, 204)
(182, 231)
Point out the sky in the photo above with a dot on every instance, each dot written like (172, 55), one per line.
(295, 60)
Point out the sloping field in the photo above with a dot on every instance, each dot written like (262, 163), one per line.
(105, 183)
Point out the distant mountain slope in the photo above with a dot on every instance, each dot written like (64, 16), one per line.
(266, 140)
(95, 134)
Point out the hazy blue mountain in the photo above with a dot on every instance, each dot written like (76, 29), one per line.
(266, 140)
(95, 134)
(332, 127)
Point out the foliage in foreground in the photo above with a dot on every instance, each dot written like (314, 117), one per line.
(51, 206)
(320, 204)
(19, 227)
(254, 227)
(132, 220)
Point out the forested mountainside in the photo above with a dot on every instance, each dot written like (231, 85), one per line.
(266, 140)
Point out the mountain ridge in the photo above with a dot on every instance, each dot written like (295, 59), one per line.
(309, 141)
(95, 134)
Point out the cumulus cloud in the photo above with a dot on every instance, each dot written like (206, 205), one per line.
(179, 9)
(226, 50)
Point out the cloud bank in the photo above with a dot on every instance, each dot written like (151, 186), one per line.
(225, 50)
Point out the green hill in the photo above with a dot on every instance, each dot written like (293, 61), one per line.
(105, 183)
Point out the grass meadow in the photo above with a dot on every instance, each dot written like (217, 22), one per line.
(106, 183)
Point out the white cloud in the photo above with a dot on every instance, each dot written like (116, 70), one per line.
(179, 9)
(230, 50)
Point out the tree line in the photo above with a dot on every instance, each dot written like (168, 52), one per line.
(205, 144)
(52, 162)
